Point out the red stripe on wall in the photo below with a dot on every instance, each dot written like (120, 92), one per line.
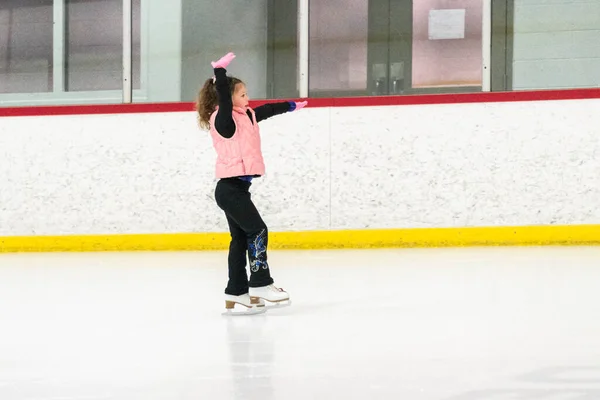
(495, 97)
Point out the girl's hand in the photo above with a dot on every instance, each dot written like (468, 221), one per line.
(300, 105)
(224, 61)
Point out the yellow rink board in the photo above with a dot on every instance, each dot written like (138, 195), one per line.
(376, 238)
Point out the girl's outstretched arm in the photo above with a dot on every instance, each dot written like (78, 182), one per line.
(224, 120)
(271, 109)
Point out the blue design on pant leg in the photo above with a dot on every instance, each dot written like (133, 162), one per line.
(257, 248)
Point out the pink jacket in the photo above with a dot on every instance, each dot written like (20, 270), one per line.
(240, 155)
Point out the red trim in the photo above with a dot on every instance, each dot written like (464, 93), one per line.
(494, 97)
(95, 109)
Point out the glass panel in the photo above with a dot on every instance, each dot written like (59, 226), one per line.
(447, 43)
(25, 46)
(94, 48)
(338, 46)
(180, 58)
(283, 49)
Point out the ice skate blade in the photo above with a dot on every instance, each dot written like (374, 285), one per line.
(239, 313)
(279, 304)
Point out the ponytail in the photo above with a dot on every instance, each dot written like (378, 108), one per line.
(207, 100)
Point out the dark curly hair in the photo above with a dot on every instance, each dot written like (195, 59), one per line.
(208, 100)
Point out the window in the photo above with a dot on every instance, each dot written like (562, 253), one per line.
(213, 28)
(94, 45)
(26, 46)
(63, 52)
(71, 51)
(383, 47)
(339, 32)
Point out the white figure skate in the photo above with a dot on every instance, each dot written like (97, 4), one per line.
(271, 294)
(252, 305)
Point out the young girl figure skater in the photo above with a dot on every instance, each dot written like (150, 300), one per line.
(223, 110)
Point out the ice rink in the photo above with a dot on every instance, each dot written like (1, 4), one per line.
(406, 324)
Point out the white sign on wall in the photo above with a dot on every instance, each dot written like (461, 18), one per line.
(446, 24)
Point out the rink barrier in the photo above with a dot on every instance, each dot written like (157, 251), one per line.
(384, 238)
(314, 240)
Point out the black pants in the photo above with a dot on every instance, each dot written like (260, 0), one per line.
(249, 234)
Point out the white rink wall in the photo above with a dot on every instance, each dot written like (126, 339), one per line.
(452, 165)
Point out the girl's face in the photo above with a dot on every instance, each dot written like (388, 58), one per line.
(240, 97)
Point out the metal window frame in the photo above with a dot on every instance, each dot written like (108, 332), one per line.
(59, 32)
(127, 51)
(486, 36)
(303, 46)
(59, 47)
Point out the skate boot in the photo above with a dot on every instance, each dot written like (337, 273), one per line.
(278, 297)
(252, 305)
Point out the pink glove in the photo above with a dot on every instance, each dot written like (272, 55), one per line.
(224, 61)
(300, 105)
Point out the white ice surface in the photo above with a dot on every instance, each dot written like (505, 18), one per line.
(424, 324)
